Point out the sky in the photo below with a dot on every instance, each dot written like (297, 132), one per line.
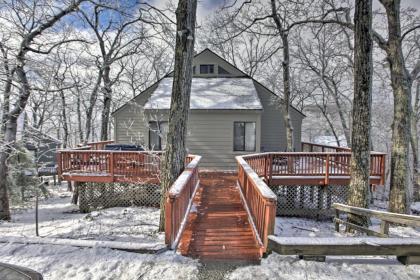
(205, 7)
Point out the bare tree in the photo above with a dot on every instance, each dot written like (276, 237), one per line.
(115, 31)
(362, 103)
(326, 56)
(175, 152)
(31, 25)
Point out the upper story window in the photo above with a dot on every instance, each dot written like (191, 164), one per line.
(222, 71)
(206, 69)
(157, 135)
(244, 136)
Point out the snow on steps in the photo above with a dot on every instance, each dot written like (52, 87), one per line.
(349, 246)
(148, 248)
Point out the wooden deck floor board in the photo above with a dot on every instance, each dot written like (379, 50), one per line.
(219, 229)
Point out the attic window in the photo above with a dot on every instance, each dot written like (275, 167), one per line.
(206, 69)
(222, 70)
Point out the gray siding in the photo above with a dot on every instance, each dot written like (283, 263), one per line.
(273, 132)
(210, 132)
(130, 123)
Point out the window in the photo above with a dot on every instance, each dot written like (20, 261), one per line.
(193, 70)
(244, 136)
(206, 69)
(157, 135)
(222, 70)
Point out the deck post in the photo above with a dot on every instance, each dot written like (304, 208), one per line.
(327, 167)
(169, 235)
(269, 222)
(111, 165)
(382, 181)
(271, 169)
(59, 167)
(266, 157)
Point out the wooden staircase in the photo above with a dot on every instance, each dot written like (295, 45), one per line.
(218, 226)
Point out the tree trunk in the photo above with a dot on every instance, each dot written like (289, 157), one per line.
(64, 117)
(79, 119)
(360, 155)
(9, 140)
(92, 103)
(286, 77)
(401, 84)
(107, 104)
(286, 93)
(175, 152)
(415, 144)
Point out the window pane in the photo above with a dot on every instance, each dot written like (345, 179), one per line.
(206, 68)
(203, 69)
(154, 143)
(250, 136)
(239, 136)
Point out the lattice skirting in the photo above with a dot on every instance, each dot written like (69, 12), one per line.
(104, 195)
(308, 201)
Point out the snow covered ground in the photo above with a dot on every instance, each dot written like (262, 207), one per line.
(65, 262)
(58, 218)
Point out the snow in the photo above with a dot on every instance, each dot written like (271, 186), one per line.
(264, 190)
(210, 93)
(276, 266)
(301, 227)
(60, 219)
(415, 207)
(345, 268)
(374, 241)
(66, 262)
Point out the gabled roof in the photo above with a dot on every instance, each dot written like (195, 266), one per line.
(210, 94)
(215, 54)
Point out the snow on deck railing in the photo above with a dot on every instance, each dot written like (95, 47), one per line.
(259, 199)
(179, 201)
(313, 147)
(326, 164)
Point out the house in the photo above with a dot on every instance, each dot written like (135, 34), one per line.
(230, 114)
(42, 147)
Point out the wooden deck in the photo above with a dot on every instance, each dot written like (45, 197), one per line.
(219, 216)
(218, 227)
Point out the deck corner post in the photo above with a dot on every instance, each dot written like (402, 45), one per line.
(269, 222)
(327, 167)
(382, 181)
(266, 166)
(59, 167)
(169, 235)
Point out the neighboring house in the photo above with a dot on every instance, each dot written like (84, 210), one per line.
(230, 114)
(42, 146)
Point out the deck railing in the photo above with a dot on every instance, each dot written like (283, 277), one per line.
(312, 147)
(109, 163)
(179, 201)
(260, 201)
(100, 145)
(303, 164)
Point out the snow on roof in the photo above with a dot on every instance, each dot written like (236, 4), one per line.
(210, 93)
